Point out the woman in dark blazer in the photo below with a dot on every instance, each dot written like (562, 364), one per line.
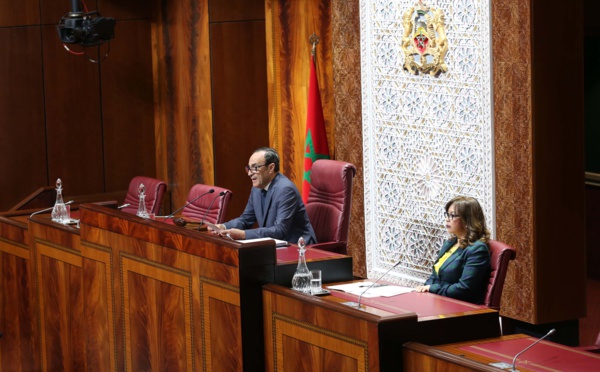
(462, 269)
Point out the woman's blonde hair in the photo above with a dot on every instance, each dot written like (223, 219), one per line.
(470, 212)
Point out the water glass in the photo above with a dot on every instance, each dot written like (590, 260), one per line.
(315, 282)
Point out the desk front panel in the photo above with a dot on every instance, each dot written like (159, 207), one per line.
(334, 267)
(19, 344)
(478, 356)
(307, 333)
(440, 319)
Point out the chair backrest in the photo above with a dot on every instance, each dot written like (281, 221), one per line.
(500, 256)
(213, 206)
(155, 190)
(329, 201)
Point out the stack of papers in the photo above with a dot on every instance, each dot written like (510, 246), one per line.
(377, 290)
(278, 243)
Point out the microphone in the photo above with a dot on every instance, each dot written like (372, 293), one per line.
(48, 209)
(210, 206)
(123, 206)
(357, 304)
(550, 332)
(188, 203)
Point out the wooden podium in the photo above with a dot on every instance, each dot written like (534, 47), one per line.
(19, 344)
(308, 333)
(484, 355)
(124, 293)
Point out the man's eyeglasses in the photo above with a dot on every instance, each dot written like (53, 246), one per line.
(254, 168)
(450, 216)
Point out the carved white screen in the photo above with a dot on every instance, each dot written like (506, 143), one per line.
(426, 139)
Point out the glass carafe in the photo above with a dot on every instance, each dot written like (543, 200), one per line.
(142, 211)
(59, 211)
(302, 276)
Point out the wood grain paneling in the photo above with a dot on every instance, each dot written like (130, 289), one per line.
(73, 118)
(179, 294)
(559, 176)
(127, 106)
(21, 115)
(60, 297)
(348, 117)
(53, 10)
(289, 26)
(183, 103)
(19, 13)
(538, 130)
(124, 10)
(19, 344)
(240, 104)
(236, 10)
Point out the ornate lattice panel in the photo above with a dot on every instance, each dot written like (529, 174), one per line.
(427, 138)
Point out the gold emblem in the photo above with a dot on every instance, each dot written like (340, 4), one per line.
(424, 40)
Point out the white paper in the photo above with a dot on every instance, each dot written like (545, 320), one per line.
(378, 290)
(213, 227)
(278, 243)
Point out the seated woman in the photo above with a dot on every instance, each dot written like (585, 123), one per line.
(462, 269)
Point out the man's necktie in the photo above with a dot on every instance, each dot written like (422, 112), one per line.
(264, 197)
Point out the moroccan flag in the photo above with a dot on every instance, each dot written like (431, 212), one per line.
(315, 145)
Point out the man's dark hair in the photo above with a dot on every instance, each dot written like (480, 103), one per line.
(271, 156)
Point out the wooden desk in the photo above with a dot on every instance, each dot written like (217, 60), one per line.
(334, 267)
(308, 333)
(440, 319)
(320, 332)
(124, 293)
(477, 356)
(17, 302)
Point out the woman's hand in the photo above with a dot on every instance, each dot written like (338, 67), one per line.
(422, 288)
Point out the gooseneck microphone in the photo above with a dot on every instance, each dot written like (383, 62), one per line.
(550, 332)
(209, 207)
(48, 209)
(188, 203)
(375, 282)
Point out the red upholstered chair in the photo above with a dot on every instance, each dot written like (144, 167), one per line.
(501, 254)
(328, 204)
(595, 348)
(213, 206)
(155, 189)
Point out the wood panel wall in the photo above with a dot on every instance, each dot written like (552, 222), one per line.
(289, 26)
(63, 116)
(239, 89)
(210, 94)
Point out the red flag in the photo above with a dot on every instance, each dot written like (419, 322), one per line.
(315, 145)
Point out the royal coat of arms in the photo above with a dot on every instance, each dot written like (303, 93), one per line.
(424, 41)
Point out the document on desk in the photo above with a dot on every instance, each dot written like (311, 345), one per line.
(278, 243)
(378, 290)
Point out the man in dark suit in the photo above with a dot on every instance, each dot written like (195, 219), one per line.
(274, 203)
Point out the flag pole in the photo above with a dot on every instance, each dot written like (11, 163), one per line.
(315, 144)
(314, 40)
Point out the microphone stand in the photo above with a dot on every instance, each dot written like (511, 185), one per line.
(188, 203)
(210, 206)
(48, 209)
(529, 347)
(357, 304)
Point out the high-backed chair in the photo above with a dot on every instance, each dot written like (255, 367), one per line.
(329, 202)
(500, 255)
(210, 207)
(155, 189)
(595, 348)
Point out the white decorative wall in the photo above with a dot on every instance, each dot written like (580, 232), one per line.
(426, 139)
